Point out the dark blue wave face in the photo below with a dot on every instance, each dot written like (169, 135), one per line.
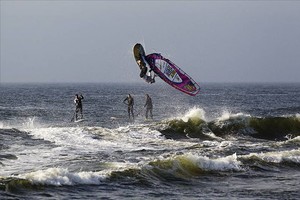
(53, 103)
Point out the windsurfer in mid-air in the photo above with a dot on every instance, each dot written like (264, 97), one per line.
(144, 72)
(164, 69)
(139, 55)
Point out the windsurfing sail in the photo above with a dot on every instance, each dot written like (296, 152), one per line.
(172, 74)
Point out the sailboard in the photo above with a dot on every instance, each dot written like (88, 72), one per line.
(79, 120)
(139, 54)
(172, 74)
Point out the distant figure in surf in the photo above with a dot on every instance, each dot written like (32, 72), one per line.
(149, 106)
(78, 105)
(130, 103)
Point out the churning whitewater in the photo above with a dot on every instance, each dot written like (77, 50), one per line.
(231, 141)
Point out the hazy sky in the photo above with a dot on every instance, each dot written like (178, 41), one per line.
(91, 41)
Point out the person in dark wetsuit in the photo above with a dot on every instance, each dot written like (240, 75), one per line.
(143, 74)
(149, 106)
(139, 55)
(130, 103)
(78, 105)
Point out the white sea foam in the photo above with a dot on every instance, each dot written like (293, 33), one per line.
(73, 138)
(60, 176)
(21, 124)
(295, 139)
(228, 115)
(142, 137)
(30, 123)
(74, 143)
(190, 162)
(195, 112)
(277, 156)
(71, 143)
(217, 164)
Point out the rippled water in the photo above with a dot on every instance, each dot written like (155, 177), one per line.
(232, 141)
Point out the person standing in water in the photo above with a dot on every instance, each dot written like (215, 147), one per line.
(78, 105)
(130, 103)
(149, 106)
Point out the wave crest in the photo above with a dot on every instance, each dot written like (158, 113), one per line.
(271, 128)
(194, 165)
(59, 176)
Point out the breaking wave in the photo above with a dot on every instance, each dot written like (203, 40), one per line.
(190, 165)
(177, 167)
(195, 126)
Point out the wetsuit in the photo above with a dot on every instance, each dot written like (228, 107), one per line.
(78, 105)
(143, 68)
(130, 103)
(149, 106)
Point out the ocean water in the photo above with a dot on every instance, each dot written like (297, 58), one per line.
(231, 141)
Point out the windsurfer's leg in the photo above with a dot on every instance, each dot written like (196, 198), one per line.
(81, 113)
(128, 110)
(142, 74)
(153, 79)
(77, 111)
(143, 71)
(132, 113)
